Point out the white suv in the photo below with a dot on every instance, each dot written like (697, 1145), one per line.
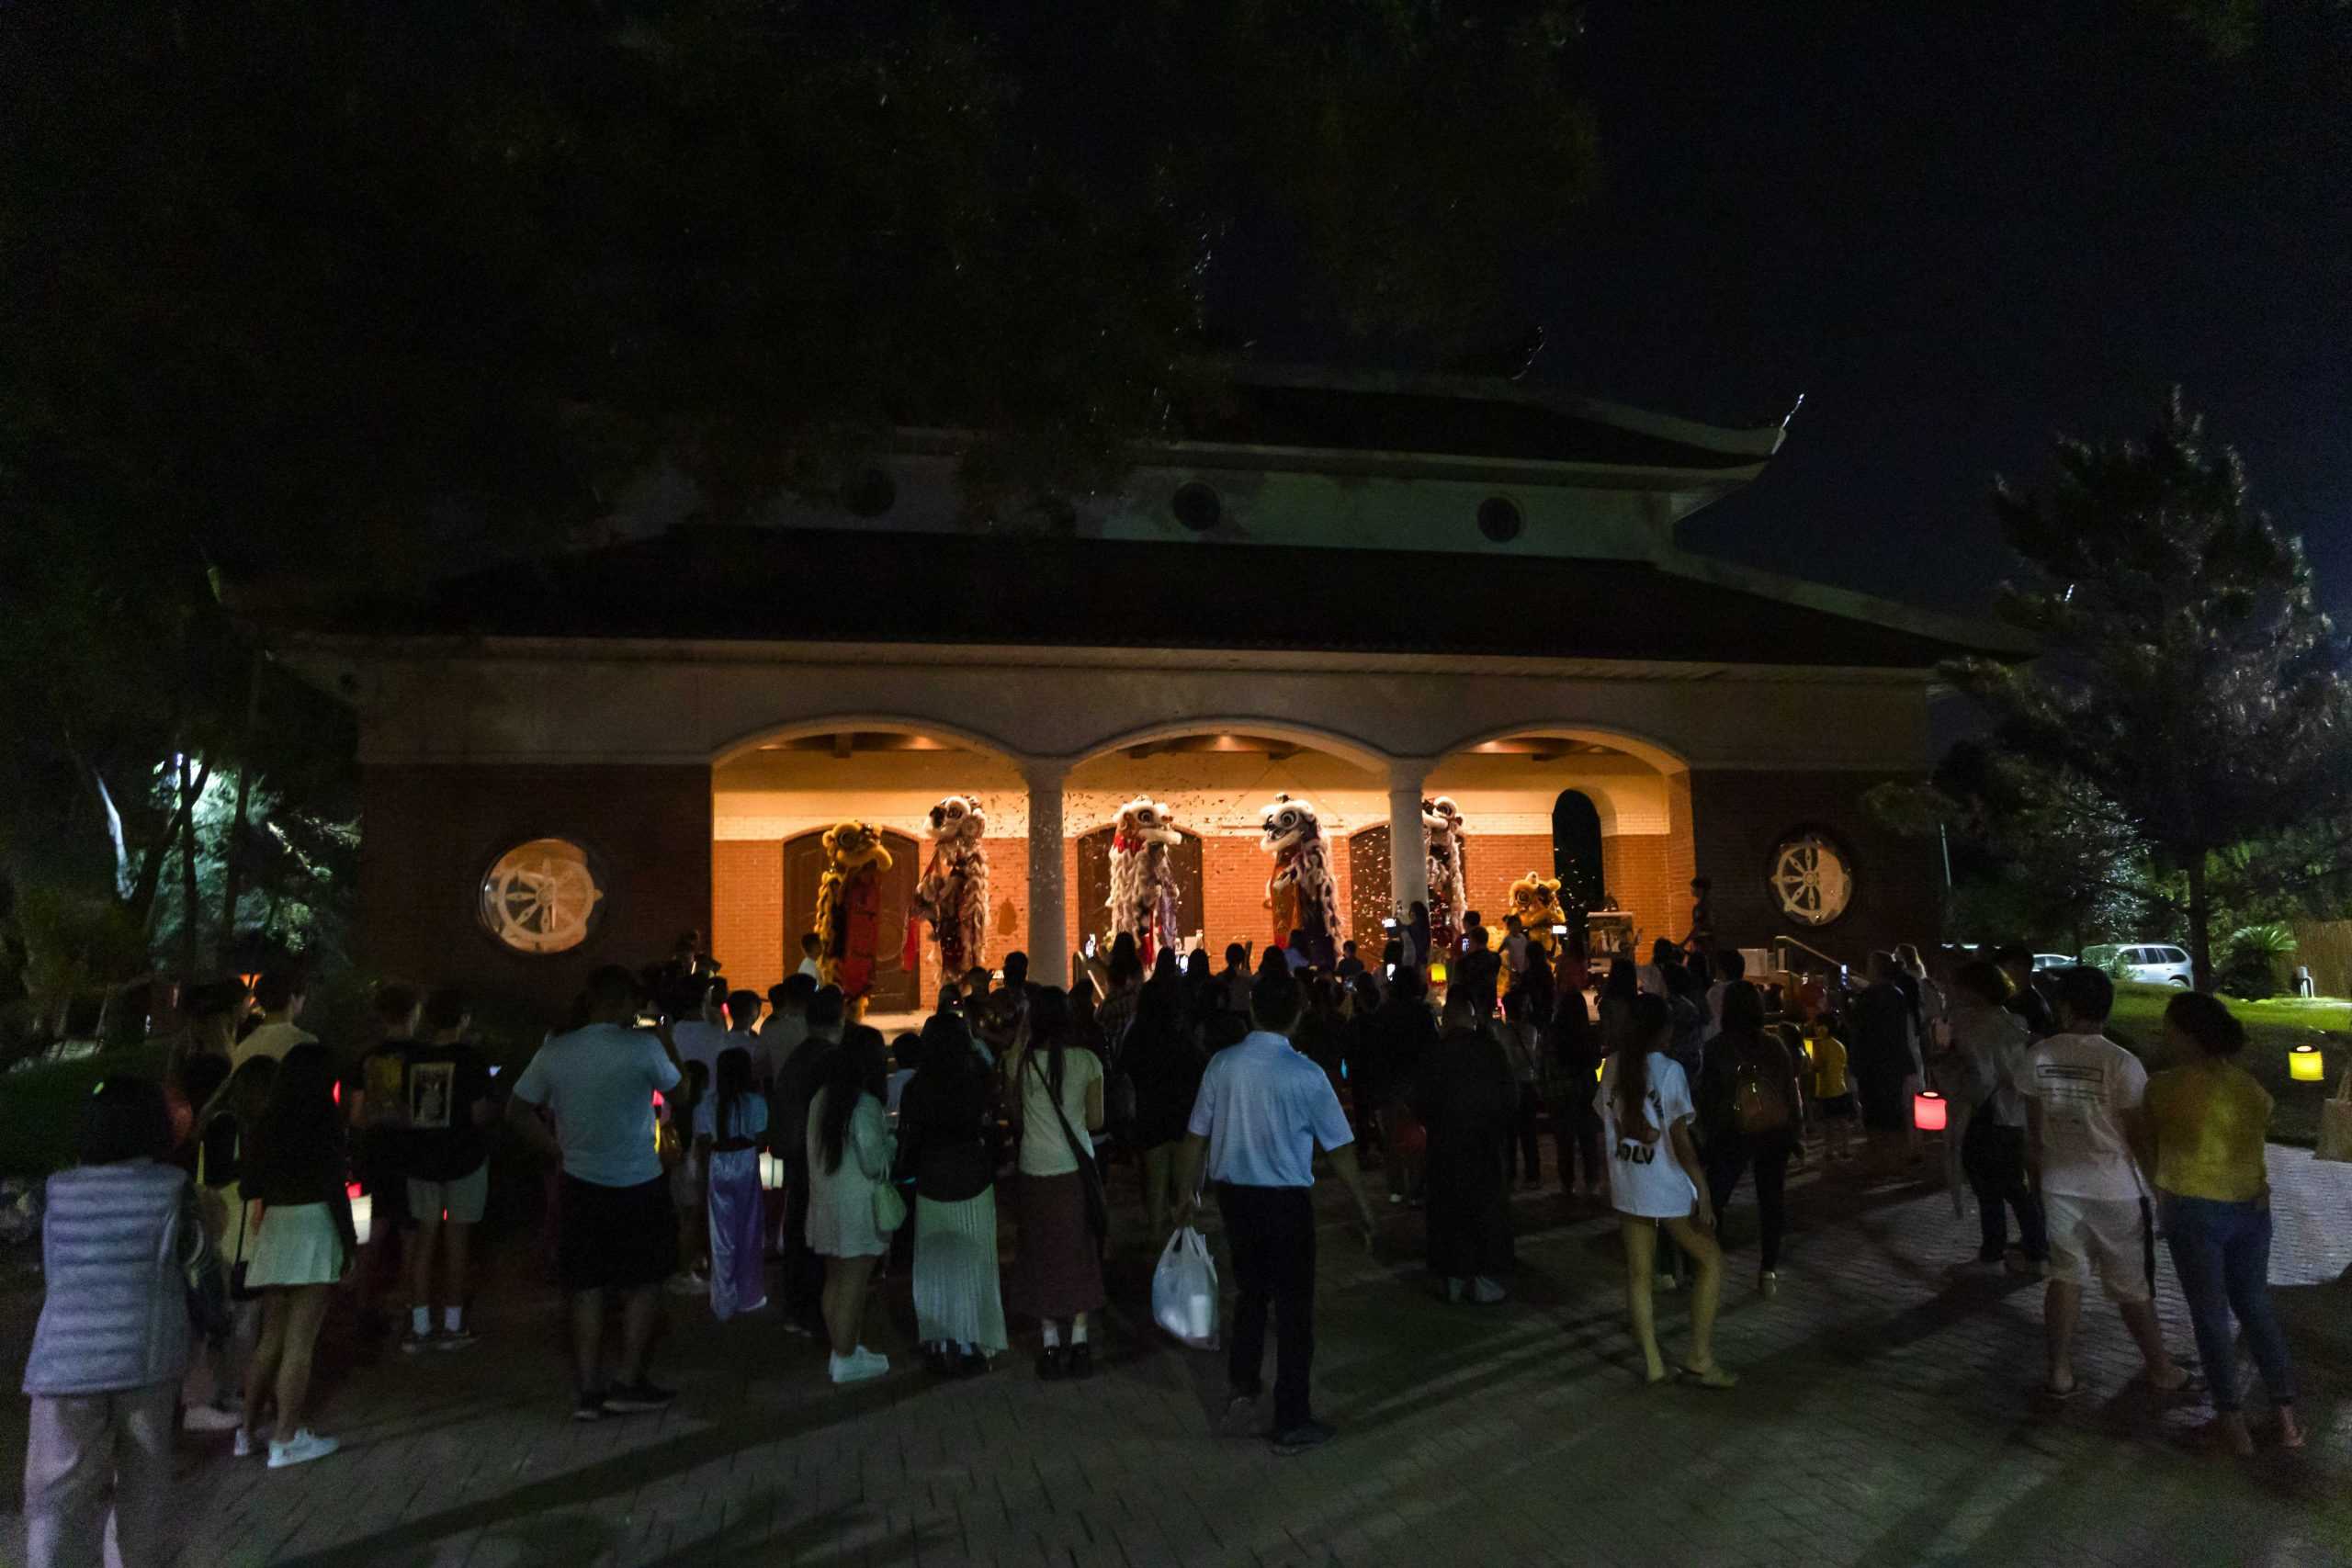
(2152, 963)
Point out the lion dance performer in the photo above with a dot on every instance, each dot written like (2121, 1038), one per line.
(1441, 832)
(1535, 899)
(849, 911)
(1302, 893)
(954, 892)
(1143, 879)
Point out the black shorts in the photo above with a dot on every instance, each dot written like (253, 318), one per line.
(614, 1238)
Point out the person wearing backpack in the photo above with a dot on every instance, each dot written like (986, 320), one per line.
(1750, 1116)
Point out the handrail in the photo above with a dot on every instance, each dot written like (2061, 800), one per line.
(1784, 940)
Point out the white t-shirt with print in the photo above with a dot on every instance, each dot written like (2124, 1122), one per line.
(2085, 1083)
(1647, 1179)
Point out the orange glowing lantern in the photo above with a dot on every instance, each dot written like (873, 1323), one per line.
(1928, 1110)
(2305, 1064)
(1437, 971)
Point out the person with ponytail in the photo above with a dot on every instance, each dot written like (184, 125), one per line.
(1655, 1182)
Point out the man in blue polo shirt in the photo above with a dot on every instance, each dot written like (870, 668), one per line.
(1261, 1111)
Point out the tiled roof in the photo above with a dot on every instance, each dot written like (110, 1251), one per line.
(812, 585)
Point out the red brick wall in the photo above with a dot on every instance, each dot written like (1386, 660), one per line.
(429, 832)
(747, 914)
(1739, 817)
(1638, 868)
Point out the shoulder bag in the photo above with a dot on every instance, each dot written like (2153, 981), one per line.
(1097, 1203)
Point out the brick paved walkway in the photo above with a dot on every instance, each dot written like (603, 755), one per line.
(1883, 1418)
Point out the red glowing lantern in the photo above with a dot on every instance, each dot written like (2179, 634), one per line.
(1928, 1110)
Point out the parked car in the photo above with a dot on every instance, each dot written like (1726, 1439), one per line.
(2153, 963)
(2053, 960)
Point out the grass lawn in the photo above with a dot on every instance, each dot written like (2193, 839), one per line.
(2272, 1028)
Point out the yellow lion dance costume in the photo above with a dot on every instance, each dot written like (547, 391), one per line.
(1535, 899)
(849, 911)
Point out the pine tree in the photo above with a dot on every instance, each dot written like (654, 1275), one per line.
(2187, 672)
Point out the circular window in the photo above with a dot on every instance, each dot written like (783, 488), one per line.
(542, 896)
(1499, 519)
(1198, 506)
(871, 494)
(1811, 878)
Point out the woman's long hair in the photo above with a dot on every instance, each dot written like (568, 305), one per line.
(1050, 1027)
(734, 1086)
(1653, 1027)
(946, 1054)
(1744, 1011)
(852, 1071)
(301, 1127)
(1624, 982)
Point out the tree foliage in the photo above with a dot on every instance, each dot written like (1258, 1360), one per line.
(2187, 675)
(347, 289)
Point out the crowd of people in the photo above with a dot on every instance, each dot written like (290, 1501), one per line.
(702, 1141)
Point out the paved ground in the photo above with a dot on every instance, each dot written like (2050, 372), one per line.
(1885, 1419)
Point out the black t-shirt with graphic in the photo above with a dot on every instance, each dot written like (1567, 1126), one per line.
(444, 1084)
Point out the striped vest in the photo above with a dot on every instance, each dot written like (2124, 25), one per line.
(114, 1315)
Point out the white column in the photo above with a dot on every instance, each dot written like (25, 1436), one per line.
(1049, 943)
(1408, 865)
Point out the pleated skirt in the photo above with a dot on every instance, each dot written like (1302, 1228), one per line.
(956, 1294)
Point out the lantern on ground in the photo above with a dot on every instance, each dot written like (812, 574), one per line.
(2305, 1064)
(362, 1213)
(1928, 1110)
(1437, 971)
(770, 1172)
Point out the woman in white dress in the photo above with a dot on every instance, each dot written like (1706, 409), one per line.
(850, 1154)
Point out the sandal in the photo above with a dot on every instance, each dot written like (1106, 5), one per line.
(2191, 1383)
(1709, 1377)
(2052, 1391)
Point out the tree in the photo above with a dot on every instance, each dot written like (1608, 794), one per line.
(2187, 674)
(360, 292)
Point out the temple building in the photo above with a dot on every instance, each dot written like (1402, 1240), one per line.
(1363, 594)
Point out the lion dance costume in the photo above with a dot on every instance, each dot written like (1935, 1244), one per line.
(849, 911)
(1442, 834)
(954, 892)
(1535, 899)
(1302, 893)
(1143, 881)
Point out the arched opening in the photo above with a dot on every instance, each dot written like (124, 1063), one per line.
(772, 796)
(1212, 779)
(1606, 814)
(1576, 853)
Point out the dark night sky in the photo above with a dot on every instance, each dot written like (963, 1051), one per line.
(1956, 233)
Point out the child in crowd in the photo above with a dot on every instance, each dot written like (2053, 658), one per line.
(1833, 1093)
(731, 1128)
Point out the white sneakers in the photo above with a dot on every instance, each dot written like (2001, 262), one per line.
(858, 1365)
(300, 1449)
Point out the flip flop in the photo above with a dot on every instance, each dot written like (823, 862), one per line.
(2061, 1394)
(2191, 1383)
(1713, 1377)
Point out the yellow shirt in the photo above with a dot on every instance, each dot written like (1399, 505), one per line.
(2209, 1123)
(1828, 1064)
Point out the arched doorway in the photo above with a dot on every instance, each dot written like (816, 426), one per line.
(1094, 885)
(897, 988)
(1576, 853)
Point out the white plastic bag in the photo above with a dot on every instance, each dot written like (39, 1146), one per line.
(1183, 1289)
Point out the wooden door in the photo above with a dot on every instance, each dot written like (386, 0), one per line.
(896, 989)
(1094, 886)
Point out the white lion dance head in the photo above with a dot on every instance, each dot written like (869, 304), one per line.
(954, 892)
(1142, 900)
(1443, 836)
(1302, 893)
